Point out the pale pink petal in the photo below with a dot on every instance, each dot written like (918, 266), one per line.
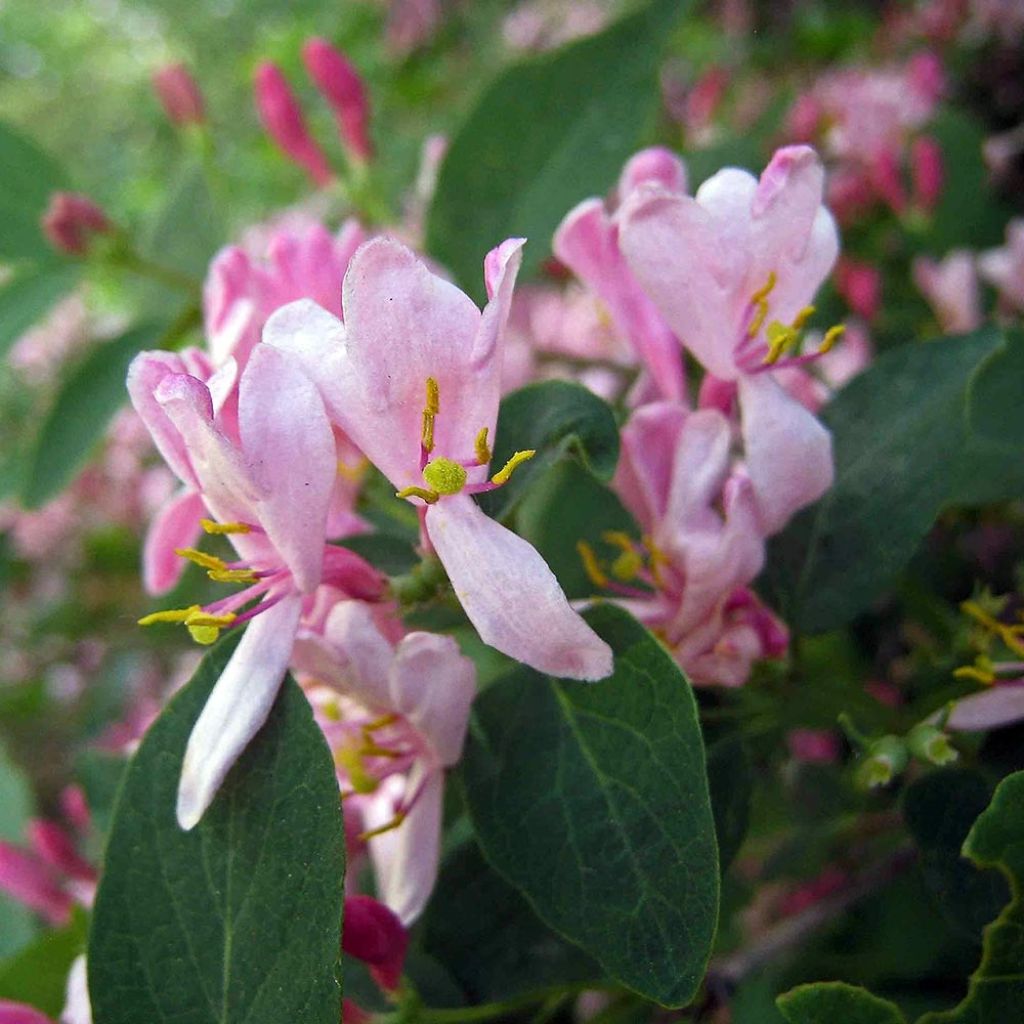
(700, 463)
(653, 166)
(432, 685)
(77, 1009)
(364, 653)
(176, 525)
(289, 445)
(989, 709)
(789, 453)
(511, 596)
(19, 1013)
(237, 707)
(644, 474)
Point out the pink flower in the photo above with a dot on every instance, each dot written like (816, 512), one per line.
(71, 221)
(179, 94)
(399, 723)
(270, 494)
(587, 242)
(340, 84)
(927, 171)
(951, 287)
(1003, 268)
(413, 377)
(732, 271)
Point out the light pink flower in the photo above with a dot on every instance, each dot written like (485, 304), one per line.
(587, 242)
(1003, 268)
(992, 708)
(951, 287)
(399, 723)
(270, 493)
(413, 377)
(732, 271)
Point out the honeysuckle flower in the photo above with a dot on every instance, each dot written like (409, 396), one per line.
(375, 935)
(951, 287)
(413, 377)
(395, 718)
(732, 271)
(1003, 268)
(270, 495)
(587, 242)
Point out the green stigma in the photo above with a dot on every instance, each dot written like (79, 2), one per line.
(444, 475)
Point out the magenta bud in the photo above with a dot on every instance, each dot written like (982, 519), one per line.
(884, 172)
(282, 117)
(926, 169)
(860, 285)
(375, 935)
(71, 220)
(339, 83)
(179, 94)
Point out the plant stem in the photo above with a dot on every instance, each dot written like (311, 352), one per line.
(552, 998)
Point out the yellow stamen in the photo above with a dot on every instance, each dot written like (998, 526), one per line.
(759, 300)
(444, 475)
(591, 566)
(331, 710)
(1010, 635)
(430, 410)
(350, 758)
(832, 335)
(658, 558)
(483, 451)
(169, 615)
(501, 477)
(980, 672)
(205, 628)
(629, 563)
(233, 575)
(390, 826)
(800, 320)
(780, 338)
(201, 558)
(379, 723)
(371, 749)
(220, 529)
(418, 492)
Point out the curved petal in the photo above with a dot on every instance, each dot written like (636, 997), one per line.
(77, 1009)
(993, 708)
(432, 685)
(363, 651)
(789, 452)
(644, 474)
(237, 707)
(653, 166)
(176, 525)
(20, 1013)
(510, 594)
(699, 466)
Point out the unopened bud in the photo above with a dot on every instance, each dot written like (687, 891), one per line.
(340, 84)
(884, 172)
(282, 117)
(71, 220)
(179, 94)
(860, 285)
(926, 169)
(927, 743)
(884, 759)
(375, 935)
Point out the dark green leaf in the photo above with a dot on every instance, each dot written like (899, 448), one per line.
(239, 919)
(730, 780)
(101, 775)
(86, 401)
(30, 296)
(30, 176)
(17, 923)
(558, 420)
(592, 800)
(996, 408)
(392, 555)
(996, 840)
(833, 1002)
(38, 975)
(546, 134)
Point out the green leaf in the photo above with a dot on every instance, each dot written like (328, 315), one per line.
(558, 420)
(731, 783)
(239, 919)
(29, 296)
(489, 939)
(592, 800)
(17, 805)
(88, 397)
(994, 403)
(30, 176)
(833, 1002)
(996, 840)
(547, 133)
(392, 555)
(38, 975)
(939, 810)
(902, 453)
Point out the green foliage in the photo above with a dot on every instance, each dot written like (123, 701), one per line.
(592, 800)
(17, 925)
(558, 420)
(994, 402)
(239, 919)
(546, 134)
(730, 783)
(832, 1002)
(38, 974)
(30, 295)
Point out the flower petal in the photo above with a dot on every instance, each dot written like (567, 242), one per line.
(510, 594)
(644, 474)
(20, 1013)
(237, 707)
(77, 1009)
(176, 525)
(992, 708)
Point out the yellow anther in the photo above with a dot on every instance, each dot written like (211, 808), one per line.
(780, 338)
(220, 529)
(982, 671)
(205, 628)
(759, 300)
(591, 566)
(629, 563)
(371, 749)
(1010, 635)
(351, 759)
(444, 475)
(501, 477)
(800, 320)
(430, 410)
(353, 474)
(331, 710)
(201, 558)
(658, 558)
(483, 451)
(832, 335)
(233, 575)
(418, 492)
(380, 830)
(379, 723)
(169, 615)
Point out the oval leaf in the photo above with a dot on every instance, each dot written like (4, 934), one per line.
(592, 800)
(833, 1002)
(239, 919)
(30, 175)
(30, 296)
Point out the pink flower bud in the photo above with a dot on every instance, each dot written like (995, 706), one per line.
(803, 118)
(340, 84)
(926, 168)
(375, 935)
(887, 180)
(282, 117)
(75, 808)
(927, 79)
(813, 746)
(54, 847)
(353, 1013)
(179, 94)
(860, 285)
(71, 220)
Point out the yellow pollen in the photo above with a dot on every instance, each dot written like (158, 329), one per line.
(201, 558)
(982, 671)
(379, 723)
(501, 477)
(800, 320)
(371, 749)
(430, 410)
(220, 529)
(1010, 635)
(657, 557)
(418, 492)
(331, 711)
(483, 451)
(233, 575)
(591, 566)
(169, 615)
(204, 627)
(389, 827)
(351, 759)
(629, 563)
(832, 335)
(444, 476)
(759, 300)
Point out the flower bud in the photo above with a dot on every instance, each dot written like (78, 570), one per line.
(282, 117)
(926, 169)
(179, 94)
(884, 172)
(340, 84)
(884, 759)
(860, 285)
(927, 743)
(71, 220)
(375, 935)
